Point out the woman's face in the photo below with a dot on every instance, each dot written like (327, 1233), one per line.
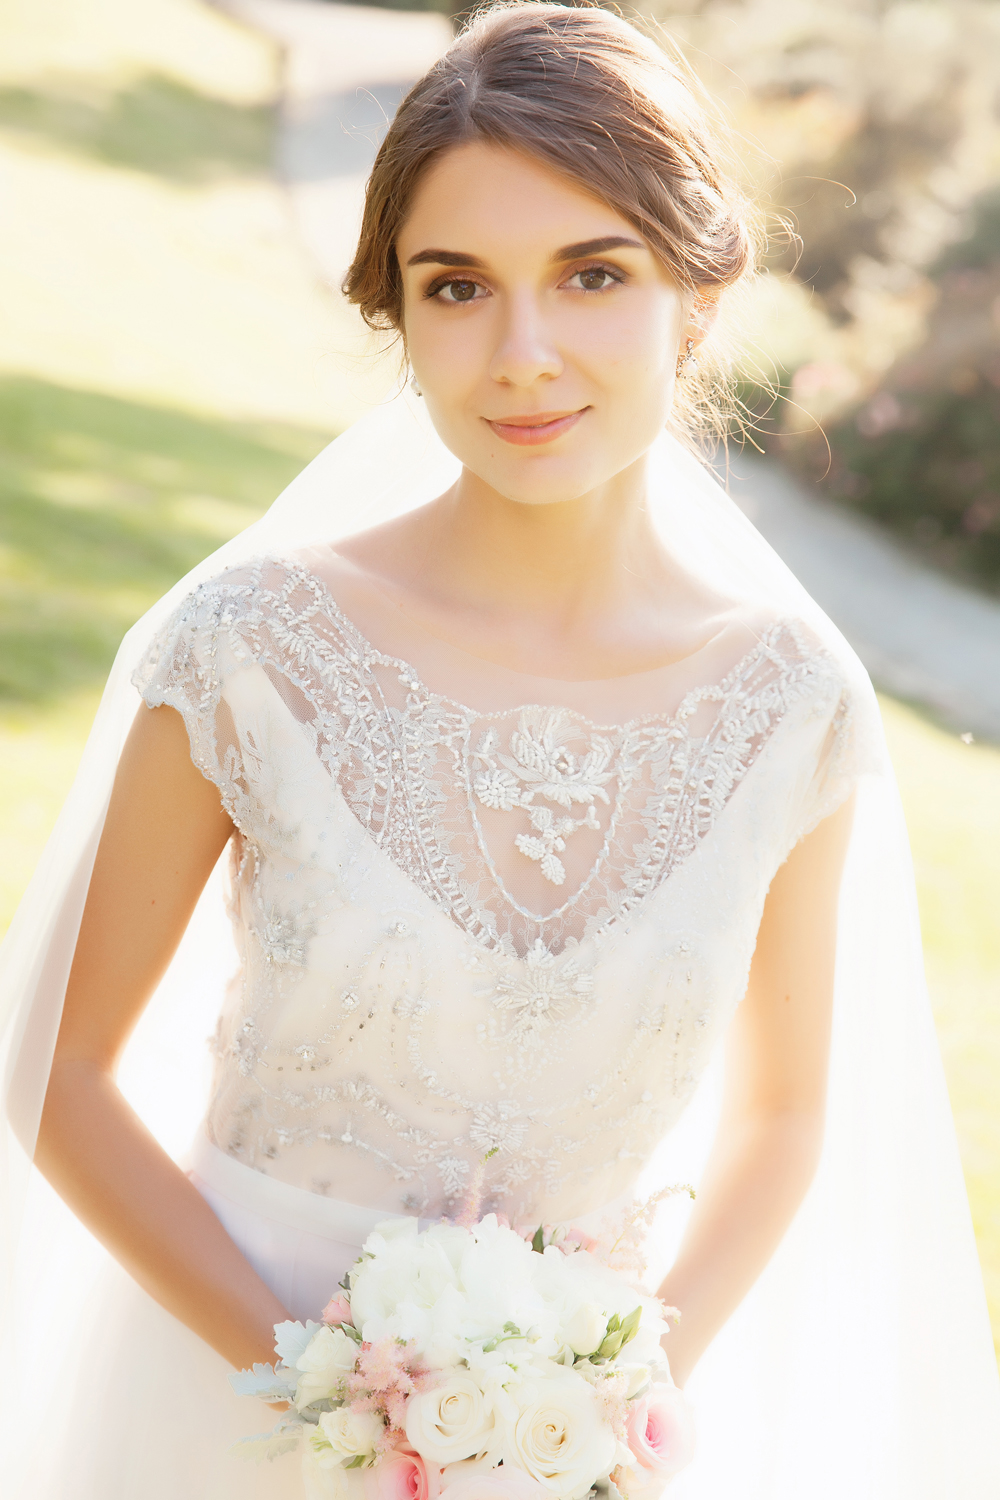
(542, 331)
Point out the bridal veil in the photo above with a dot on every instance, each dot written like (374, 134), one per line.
(861, 1364)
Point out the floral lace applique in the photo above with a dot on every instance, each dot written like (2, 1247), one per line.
(541, 765)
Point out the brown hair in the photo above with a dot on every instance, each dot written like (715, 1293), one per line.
(587, 95)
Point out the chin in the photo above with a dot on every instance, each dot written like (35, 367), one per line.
(544, 481)
(541, 493)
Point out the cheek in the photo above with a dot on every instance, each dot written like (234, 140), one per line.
(632, 346)
(448, 350)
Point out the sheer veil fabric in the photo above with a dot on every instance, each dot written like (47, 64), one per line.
(861, 1364)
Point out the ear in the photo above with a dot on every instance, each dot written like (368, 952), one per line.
(701, 316)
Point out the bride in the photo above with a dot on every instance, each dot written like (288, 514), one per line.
(538, 776)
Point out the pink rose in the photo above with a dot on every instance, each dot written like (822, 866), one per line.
(402, 1475)
(504, 1483)
(660, 1431)
(337, 1311)
(575, 1239)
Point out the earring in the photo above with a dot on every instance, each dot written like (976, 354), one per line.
(414, 387)
(687, 362)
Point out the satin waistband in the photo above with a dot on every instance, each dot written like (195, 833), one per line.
(310, 1213)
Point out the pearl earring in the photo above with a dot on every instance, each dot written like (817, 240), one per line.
(414, 387)
(687, 362)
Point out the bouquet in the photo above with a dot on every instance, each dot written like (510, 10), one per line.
(468, 1362)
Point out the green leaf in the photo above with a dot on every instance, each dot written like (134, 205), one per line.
(610, 1346)
(538, 1242)
(262, 1381)
(630, 1326)
(284, 1437)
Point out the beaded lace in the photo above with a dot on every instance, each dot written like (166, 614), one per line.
(456, 927)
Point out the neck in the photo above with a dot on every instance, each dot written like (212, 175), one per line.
(561, 562)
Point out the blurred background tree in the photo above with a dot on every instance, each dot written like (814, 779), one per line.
(874, 128)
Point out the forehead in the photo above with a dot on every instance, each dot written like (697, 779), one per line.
(486, 200)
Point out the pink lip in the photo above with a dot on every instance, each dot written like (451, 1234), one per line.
(539, 427)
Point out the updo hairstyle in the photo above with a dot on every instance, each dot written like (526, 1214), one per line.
(587, 95)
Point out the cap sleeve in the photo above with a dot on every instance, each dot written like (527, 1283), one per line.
(185, 667)
(842, 740)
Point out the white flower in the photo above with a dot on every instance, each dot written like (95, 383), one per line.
(506, 1483)
(450, 1422)
(560, 1436)
(345, 1434)
(322, 1365)
(324, 1479)
(586, 1328)
(408, 1288)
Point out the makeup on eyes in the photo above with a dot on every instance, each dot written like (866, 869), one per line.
(616, 274)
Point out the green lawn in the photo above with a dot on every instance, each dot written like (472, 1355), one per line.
(105, 503)
(951, 794)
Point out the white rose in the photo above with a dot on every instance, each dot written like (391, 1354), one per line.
(320, 1481)
(560, 1437)
(450, 1422)
(322, 1365)
(585, 1330)
(345, 1434)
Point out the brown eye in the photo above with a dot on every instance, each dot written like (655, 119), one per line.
(458, 291)
(594, 279)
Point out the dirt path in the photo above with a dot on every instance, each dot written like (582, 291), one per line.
(921, 636)
(346, 67)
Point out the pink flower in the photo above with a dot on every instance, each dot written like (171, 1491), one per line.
(402, 1475)
(660, 1432)
(383, 1381)
(575, 1239)
(504, 1483)
(337, 1311)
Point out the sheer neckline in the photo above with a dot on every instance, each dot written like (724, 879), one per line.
(417, 683)
(492, 813)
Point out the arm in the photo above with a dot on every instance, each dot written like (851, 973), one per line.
(771, 1130)
(164, 833)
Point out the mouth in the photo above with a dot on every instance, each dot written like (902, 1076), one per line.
(537, 427)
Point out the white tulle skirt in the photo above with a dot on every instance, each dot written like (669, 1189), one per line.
(151, 1414)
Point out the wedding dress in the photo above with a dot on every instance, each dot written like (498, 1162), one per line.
(479, 911)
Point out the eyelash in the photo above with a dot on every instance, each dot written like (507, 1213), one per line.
(617, 278)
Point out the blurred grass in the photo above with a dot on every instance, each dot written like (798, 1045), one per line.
(105, 503)
(153, 123)
(951, 796)
(169, 362)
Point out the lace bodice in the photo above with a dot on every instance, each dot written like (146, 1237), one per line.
(462, 929)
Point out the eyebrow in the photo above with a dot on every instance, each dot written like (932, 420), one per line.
(598, 247)
(446, 258)
(458, 258)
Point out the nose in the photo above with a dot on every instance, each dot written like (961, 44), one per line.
(525, 351)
